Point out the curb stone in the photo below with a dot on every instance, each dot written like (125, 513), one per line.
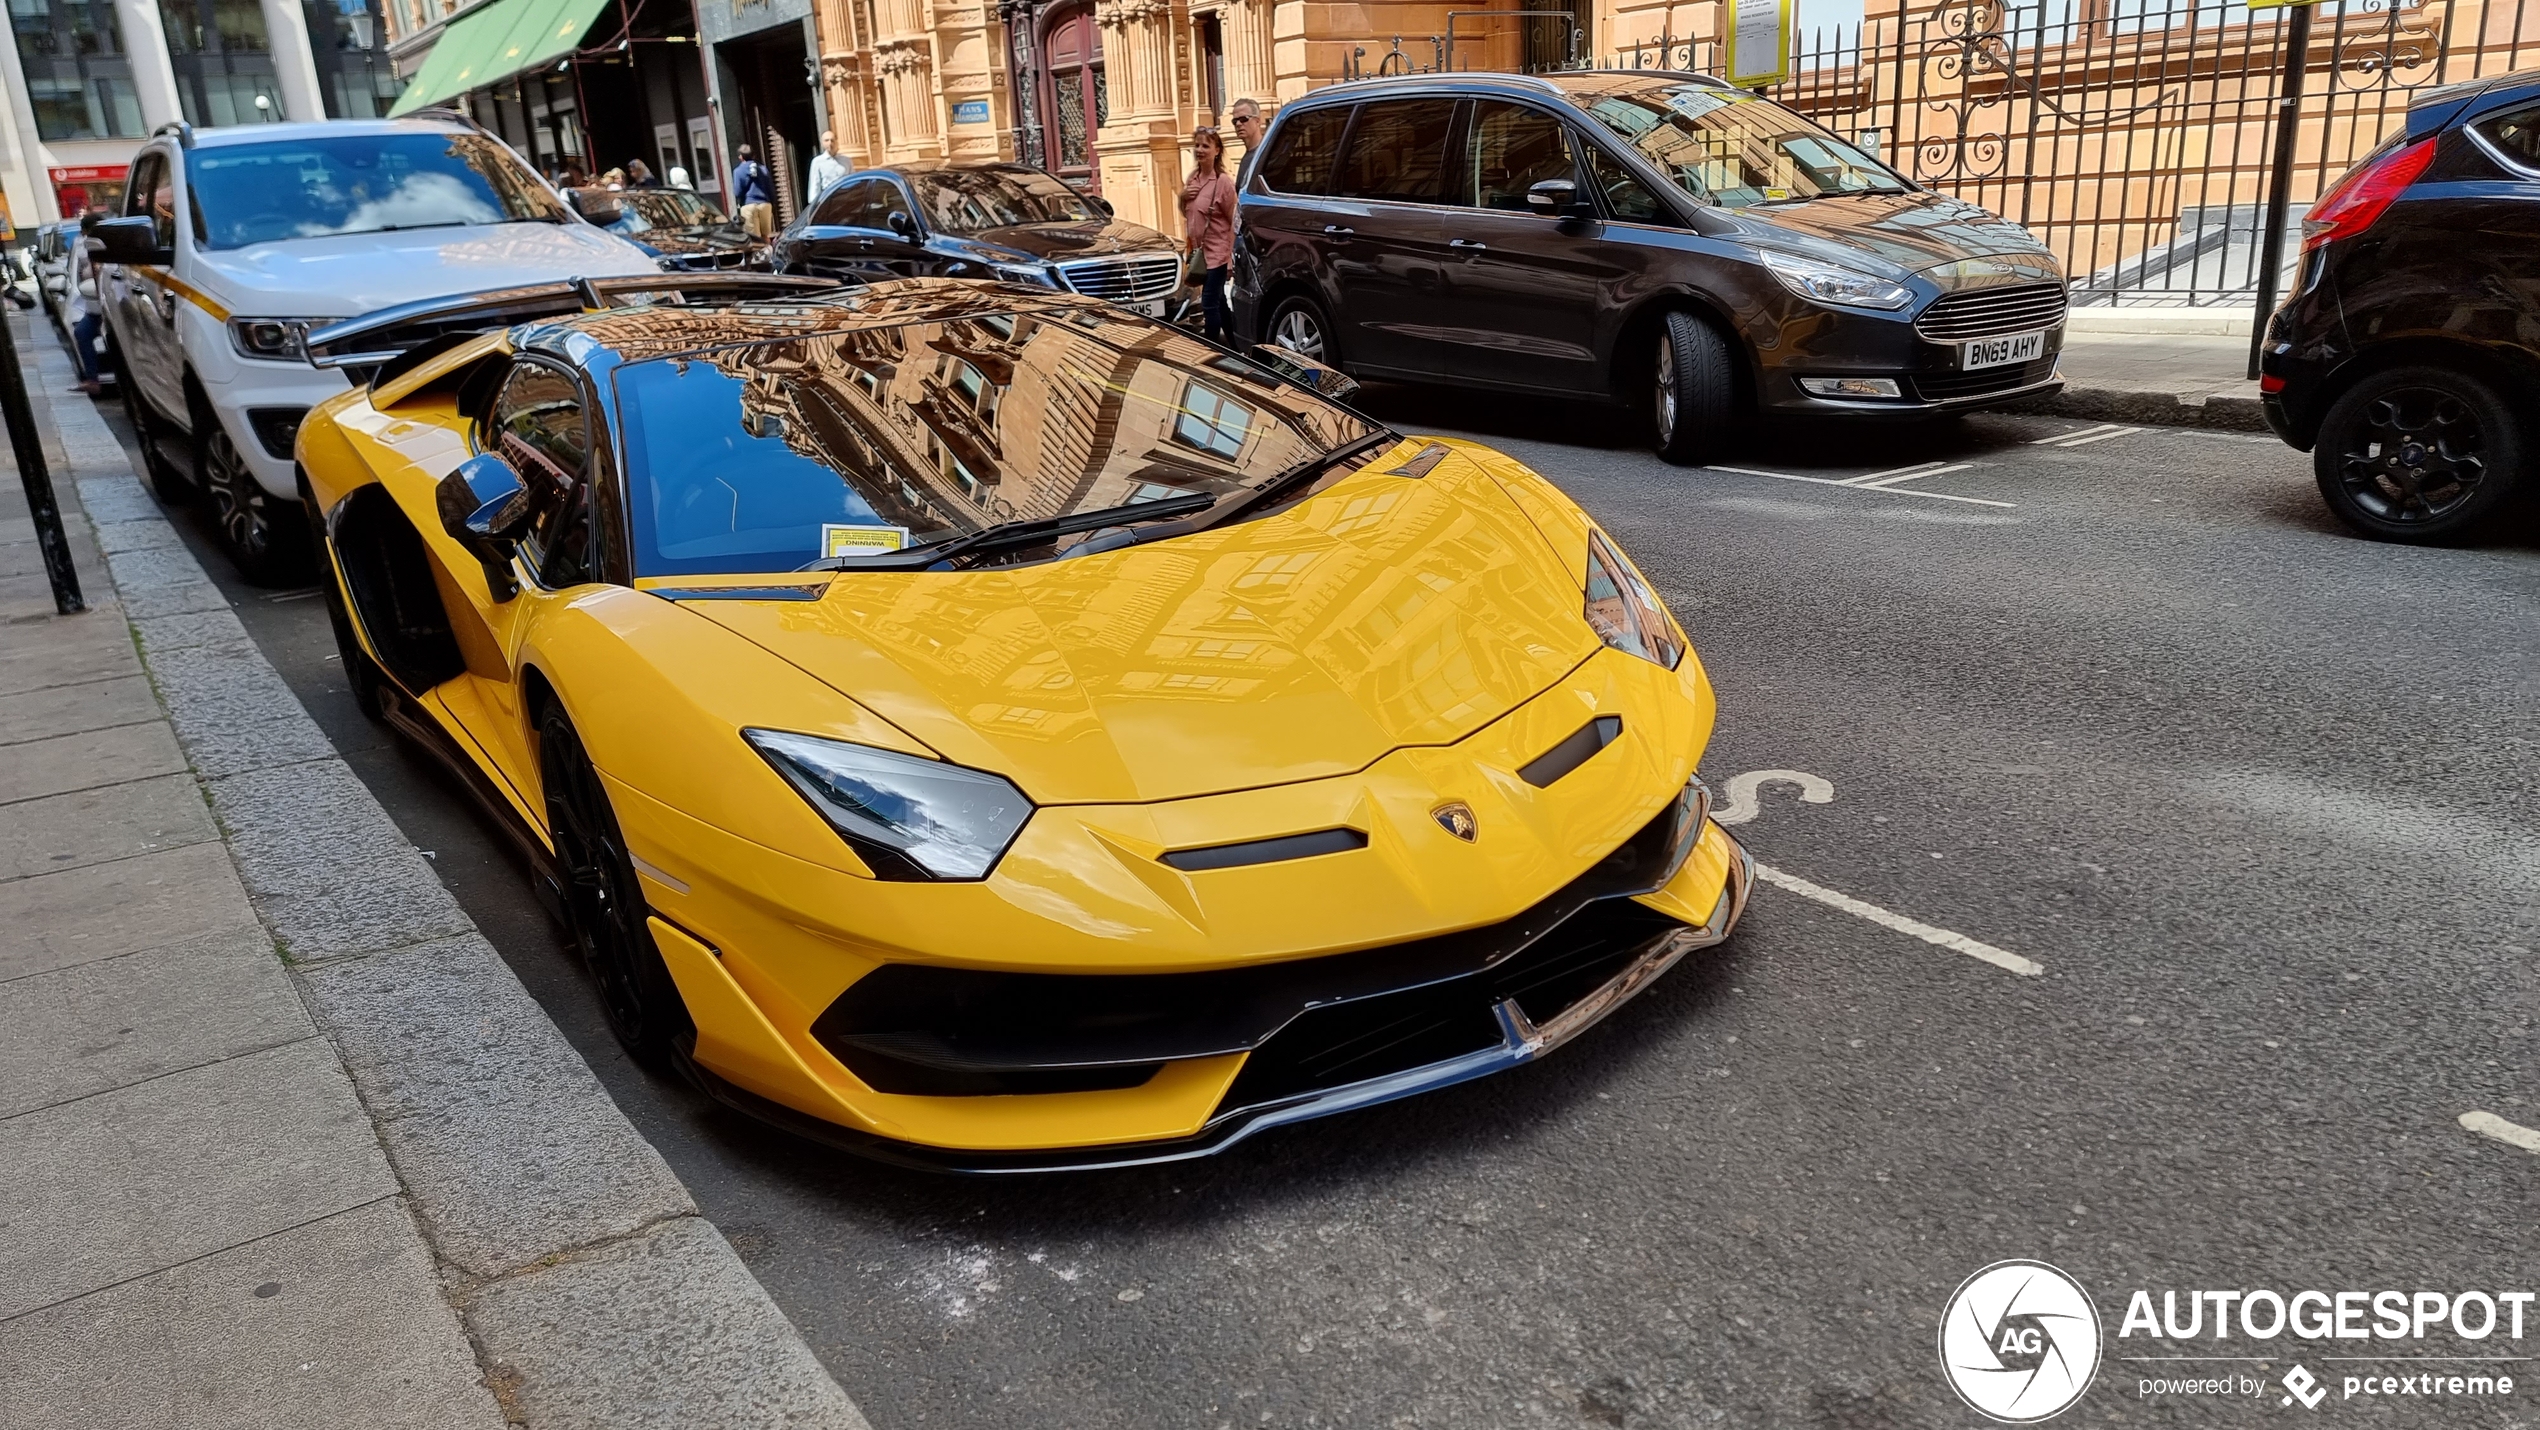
(2220, 411)
(591, 1289)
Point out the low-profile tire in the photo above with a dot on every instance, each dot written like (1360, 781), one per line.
(2423, 455)
(1693, 390)
(264, 538)
(604, 905)
(1299, 324)
(166, 482)
(368, 682)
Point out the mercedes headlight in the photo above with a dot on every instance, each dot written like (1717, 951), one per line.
(274, 339)
(1623, 610)
(1036, 275)
(910, 818)
(1828, 283)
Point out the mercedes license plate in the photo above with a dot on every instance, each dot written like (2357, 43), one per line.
(1153, 307)
(1995, 352)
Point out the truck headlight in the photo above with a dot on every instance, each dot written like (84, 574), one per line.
(910, 818)
(1624, 612)
(274, 339)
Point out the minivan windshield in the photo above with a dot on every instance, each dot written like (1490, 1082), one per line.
(772, 456)
(1732, 149)
(974, 200)
(366, 183)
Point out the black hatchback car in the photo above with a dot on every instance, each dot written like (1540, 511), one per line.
(1000, 221)
(1652, 238)
(2407, 360)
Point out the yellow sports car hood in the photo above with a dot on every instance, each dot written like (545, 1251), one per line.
(1385, 611)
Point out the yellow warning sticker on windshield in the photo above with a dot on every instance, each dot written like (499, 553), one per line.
(840, 539)
(1777, 193)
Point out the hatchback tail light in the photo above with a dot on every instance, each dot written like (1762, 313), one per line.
(2357, 202)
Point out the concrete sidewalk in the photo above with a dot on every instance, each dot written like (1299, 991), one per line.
(283, 1142)
(2178, 367)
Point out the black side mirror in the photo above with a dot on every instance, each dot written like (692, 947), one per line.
(902, 225)
(1557, 198)
(129, 240)
(1099, 205)
(1305, 372)
(485, 507)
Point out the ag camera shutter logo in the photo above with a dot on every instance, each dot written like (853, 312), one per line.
(2019, 1342)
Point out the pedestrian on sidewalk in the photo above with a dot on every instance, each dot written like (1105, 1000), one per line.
(639, 175)
(1208, 228)
(754, 194)
(828, 167)
(1247, 121)
(80, 307)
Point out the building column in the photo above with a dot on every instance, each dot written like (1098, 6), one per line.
(294, 65)
(1248, 72)
(145, 43)
(1141, 148)
(29, 189)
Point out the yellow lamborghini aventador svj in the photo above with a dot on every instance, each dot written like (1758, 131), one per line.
(984, 728)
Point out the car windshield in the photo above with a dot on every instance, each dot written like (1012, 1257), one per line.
(973, 200)
(369, 183)
(769, 456)
(649, 209)
(1735, 150)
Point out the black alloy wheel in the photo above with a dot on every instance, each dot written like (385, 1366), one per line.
(2419, 455)
(166, 482)
(1298, 325)
(263, 537)
(604, 905)
(369, 683)
(1693, 390)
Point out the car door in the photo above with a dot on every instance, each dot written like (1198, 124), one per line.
(140, 304)
(1279, 240)
(1527, 293)
(1384, 237)
(850, 234)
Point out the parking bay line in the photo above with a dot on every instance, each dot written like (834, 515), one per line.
(1912, 474)
(1914, 928)
(1838, 482)
(2488, 1124)
(2087, 435)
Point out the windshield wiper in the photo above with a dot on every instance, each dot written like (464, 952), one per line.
(1304, 471)
(1014, 534)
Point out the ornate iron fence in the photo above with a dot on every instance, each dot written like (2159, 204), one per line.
(2132, 136)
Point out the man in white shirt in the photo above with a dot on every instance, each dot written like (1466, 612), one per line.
(828, 166)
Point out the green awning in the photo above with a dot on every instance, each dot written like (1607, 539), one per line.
(493, 42)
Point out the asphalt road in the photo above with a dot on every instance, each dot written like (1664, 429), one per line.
(2258, 797)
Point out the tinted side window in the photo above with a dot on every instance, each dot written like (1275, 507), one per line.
(1625, 199)
(843, 203)
(1512, 149)
(541, 429)
(2517, 134)
(1302, 162)
(151, 193)
(1397, 151)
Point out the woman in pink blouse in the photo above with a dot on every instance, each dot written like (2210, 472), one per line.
(1208, 223)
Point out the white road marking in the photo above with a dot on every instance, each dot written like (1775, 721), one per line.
(1833, 482)
(1913, 471)
(2488, 1124)
(2102, 437)
(1934, 471)
(2067, 436)
(1743, 804)
(1914, 928)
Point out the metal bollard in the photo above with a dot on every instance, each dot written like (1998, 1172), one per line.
(38, 482)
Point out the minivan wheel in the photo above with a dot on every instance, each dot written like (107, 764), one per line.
(1692, 391)
(1298, 325)
(2419, 455)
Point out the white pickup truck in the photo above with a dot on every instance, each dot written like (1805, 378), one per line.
(235, 242)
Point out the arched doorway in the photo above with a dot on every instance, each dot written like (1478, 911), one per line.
(1072, 94)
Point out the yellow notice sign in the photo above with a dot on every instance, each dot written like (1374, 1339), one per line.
(839, 539)
(1759, 42)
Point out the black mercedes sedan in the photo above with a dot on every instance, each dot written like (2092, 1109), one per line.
(974, 220)
(675, 226)
(2407, 359)
(1661, 240)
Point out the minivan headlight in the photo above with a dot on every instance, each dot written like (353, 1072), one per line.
(274, 339)
(1828, 283)
(910, 818)
(1624, 612)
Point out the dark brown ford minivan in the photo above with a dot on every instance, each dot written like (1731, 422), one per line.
(1655, 239)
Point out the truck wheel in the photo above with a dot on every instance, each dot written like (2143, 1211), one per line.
(166, 482)
(266, 539)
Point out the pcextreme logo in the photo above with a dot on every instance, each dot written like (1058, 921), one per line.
(2019, 1342)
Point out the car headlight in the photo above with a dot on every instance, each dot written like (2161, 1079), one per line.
(1035, 274)
(274, 339)
(910, 818)
(1623, 610)
(1829, 283)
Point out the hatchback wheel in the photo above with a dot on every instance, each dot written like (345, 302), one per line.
(1298, 325)
(263, 537)
(604, 904)
(2419, 454)
(1693, 392)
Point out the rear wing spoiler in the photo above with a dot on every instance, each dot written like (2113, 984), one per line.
(375, 340)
